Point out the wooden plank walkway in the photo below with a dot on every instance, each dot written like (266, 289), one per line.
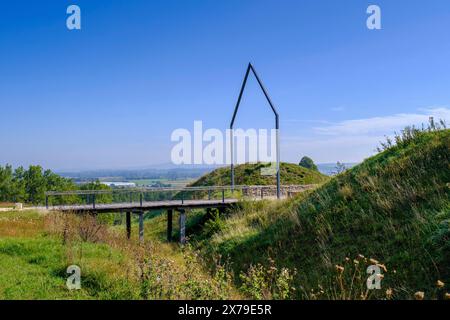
(253, 193)
(146, 206)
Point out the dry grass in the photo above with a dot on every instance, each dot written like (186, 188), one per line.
(23, 224)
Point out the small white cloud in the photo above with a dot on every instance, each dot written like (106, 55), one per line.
(354, 140)
(384, 125)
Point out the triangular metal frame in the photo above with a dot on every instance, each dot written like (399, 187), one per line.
(277, 125)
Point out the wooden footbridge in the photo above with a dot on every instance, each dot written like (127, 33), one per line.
(140, 200)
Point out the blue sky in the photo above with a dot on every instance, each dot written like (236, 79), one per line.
(110, 95)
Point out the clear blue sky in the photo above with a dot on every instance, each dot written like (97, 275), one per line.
(109, 95)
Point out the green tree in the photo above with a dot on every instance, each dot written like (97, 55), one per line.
(35, 185)
(6, 183)
(308, 163)
(97, 185)
(30, 185)
(19, 192)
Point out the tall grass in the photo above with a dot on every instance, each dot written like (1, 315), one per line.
(394, 207)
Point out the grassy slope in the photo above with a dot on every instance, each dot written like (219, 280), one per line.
(250, 174)
(34, 259)
(394, 207)
(33, 263)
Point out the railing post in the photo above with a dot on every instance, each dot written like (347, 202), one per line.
(141, 227)
(140, 199)
(93, 200)
(182, 197)
(46, 202)
(128, 223)
(209, 194)
(182, 226)
(223, 195)
(169, 224)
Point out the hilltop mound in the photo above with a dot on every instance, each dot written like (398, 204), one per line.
(393, 208)
(250, 174)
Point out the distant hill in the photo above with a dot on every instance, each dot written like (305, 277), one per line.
(250, 174)
(394, 208)
(330, 169)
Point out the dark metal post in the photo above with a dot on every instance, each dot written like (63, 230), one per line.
(209, 194)
(277, 125)
(93, 201)
(223, 195)
(169, 224)
(232, 123)
(128, 223)
(140, 198)
(141, 227)
(46, 202)
(182, 222)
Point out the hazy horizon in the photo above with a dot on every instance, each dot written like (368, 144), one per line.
(110, 95)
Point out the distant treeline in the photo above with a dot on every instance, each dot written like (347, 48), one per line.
(170, 174)
(29, 185)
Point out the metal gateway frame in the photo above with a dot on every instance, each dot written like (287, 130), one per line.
(277, 125)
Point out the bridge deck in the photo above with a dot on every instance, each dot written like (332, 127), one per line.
(150, 205)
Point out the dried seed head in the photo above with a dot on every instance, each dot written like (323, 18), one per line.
(419, 295)
(339, 268)
(389, 293)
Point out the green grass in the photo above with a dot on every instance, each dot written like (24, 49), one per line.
(33, 264)
(250, 174)
(394, 207)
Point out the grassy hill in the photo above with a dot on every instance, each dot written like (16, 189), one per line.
(250, 174)
(394, 208)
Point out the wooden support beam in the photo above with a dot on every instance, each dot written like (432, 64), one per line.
(128, 223)
(182, 221)
(141, 227)
(169, 224)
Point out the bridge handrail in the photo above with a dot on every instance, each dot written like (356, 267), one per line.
(163, 189)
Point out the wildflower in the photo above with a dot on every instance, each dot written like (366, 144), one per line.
(373, 261)
(361, 256)
(440, 284)
(347, 259)
(356, 262)
(389, 293)
(339, 268)
(419, 295)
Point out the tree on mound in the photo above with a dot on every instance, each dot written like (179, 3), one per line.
(308, 163)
